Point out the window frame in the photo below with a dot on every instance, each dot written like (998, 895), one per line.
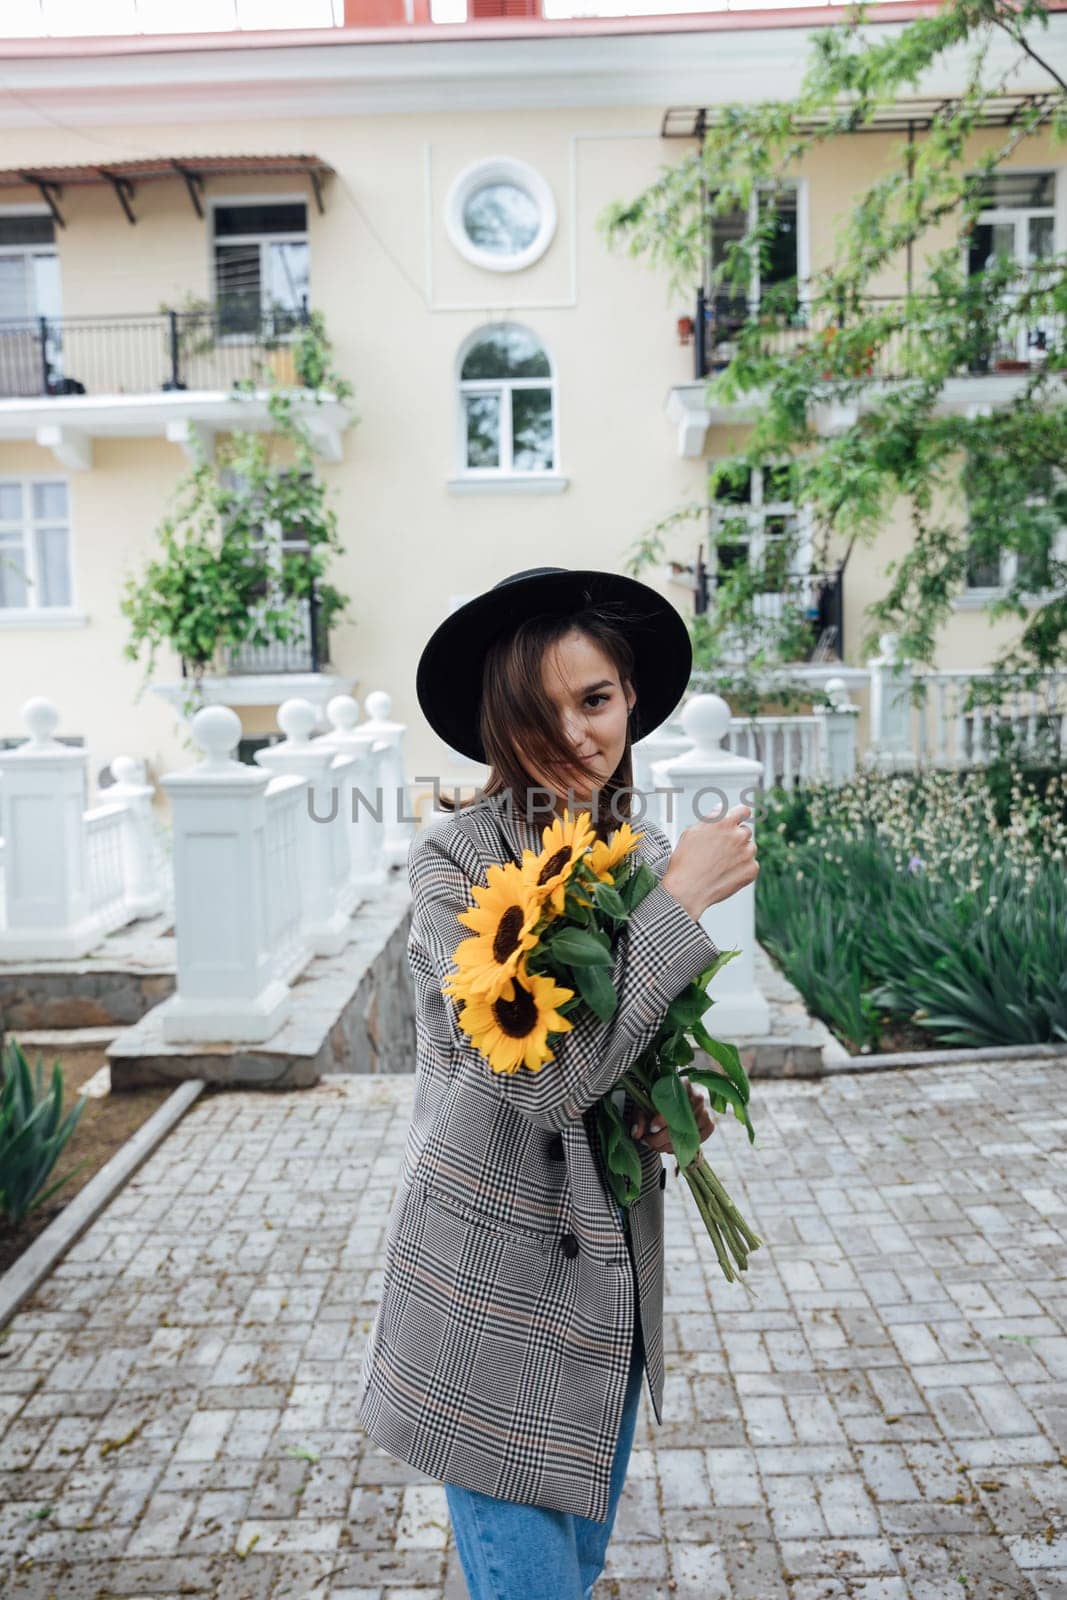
(34, 611)
(799, 187)
(755, 512)
(506, 471)
(975, 594)
(500, 169)
(1019, 217)
(32, 250)
(217, 202)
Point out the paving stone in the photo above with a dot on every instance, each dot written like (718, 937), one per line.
(882, 1419)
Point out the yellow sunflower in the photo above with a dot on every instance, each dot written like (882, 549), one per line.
(512, 1030)
(604, 857)
(564, 843)
(503, 919)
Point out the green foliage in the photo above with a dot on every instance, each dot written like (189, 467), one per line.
(33, 1132)
(934, 899)
(892, 358)
(223, 576)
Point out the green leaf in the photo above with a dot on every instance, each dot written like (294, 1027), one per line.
(725, 1094)
(610, 900)
(671, 1099)
(727, 1056)
(597, 990)
(577, 947)
(621, 1158)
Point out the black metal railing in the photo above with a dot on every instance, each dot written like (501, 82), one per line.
(306, 650)
(818, 596)
(216, 348)
(1002, 335)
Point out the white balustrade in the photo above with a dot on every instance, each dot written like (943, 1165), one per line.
(363, 795)
(707, 780)
(837, 733)
(105, 827)
(144, 866)
(237, 891)
(788, 748)
(321, 829)
(48, 911)
(399, 816)
(1033, 721)
(669, 739)
(286, 813)
(73, 874)
(890, 748)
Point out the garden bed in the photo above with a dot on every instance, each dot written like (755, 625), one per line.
(921, 911)
(105, 1125)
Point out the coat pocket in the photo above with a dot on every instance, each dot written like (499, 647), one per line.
(486, 1222)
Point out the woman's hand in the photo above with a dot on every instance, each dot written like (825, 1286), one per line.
(658, 1138)
(712, 860)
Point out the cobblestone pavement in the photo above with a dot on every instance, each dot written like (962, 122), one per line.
(886, 1421)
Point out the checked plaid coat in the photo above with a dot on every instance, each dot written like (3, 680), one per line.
(501, 1345)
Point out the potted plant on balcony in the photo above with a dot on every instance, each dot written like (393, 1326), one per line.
(845, 361)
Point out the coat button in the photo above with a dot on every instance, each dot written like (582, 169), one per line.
(569, 1245)
(555, 1148)
(663, 1177)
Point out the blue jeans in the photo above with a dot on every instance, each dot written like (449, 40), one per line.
(511, 1551)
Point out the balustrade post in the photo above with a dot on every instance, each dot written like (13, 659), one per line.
(363, 806)
(43, 787)
(890, 747)
(707, 780)
(663, 743)
(144, 889)
(399, 821)
(324, 842)
(227, 987)
(837, 733)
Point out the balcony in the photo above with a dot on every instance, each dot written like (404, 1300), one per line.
(1005, 345)
(1002, 339)
(65, 381)
(818, 596)
(267, 674)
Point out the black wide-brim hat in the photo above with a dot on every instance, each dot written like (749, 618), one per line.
(448, 681)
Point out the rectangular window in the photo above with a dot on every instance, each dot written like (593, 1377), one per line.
(755, 522)
(262, 266)
(35, 568)
(1016, 228)
(29, 268)
(1033, 568)
(779, 269)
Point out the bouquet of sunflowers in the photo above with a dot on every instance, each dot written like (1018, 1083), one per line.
(543, 943)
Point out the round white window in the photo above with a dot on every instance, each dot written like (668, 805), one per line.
(500, 214)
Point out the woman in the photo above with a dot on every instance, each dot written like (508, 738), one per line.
(520, 1304)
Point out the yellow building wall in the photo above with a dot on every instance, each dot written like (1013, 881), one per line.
(399, 301)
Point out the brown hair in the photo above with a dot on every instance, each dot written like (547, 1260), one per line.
(516, 710)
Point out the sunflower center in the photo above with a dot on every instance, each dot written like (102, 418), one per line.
(517, 1016)
(506, 937)
(554, 864)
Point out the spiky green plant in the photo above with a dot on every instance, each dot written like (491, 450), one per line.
(33, 1132)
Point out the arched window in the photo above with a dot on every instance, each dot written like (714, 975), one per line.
(507, 395)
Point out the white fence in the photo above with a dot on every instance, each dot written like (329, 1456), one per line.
(279, 841)
(915, 718)
(948, 734)
(71, 874)
(284, 886)
(961, 718)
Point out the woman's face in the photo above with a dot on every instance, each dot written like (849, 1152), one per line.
(591, 704)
